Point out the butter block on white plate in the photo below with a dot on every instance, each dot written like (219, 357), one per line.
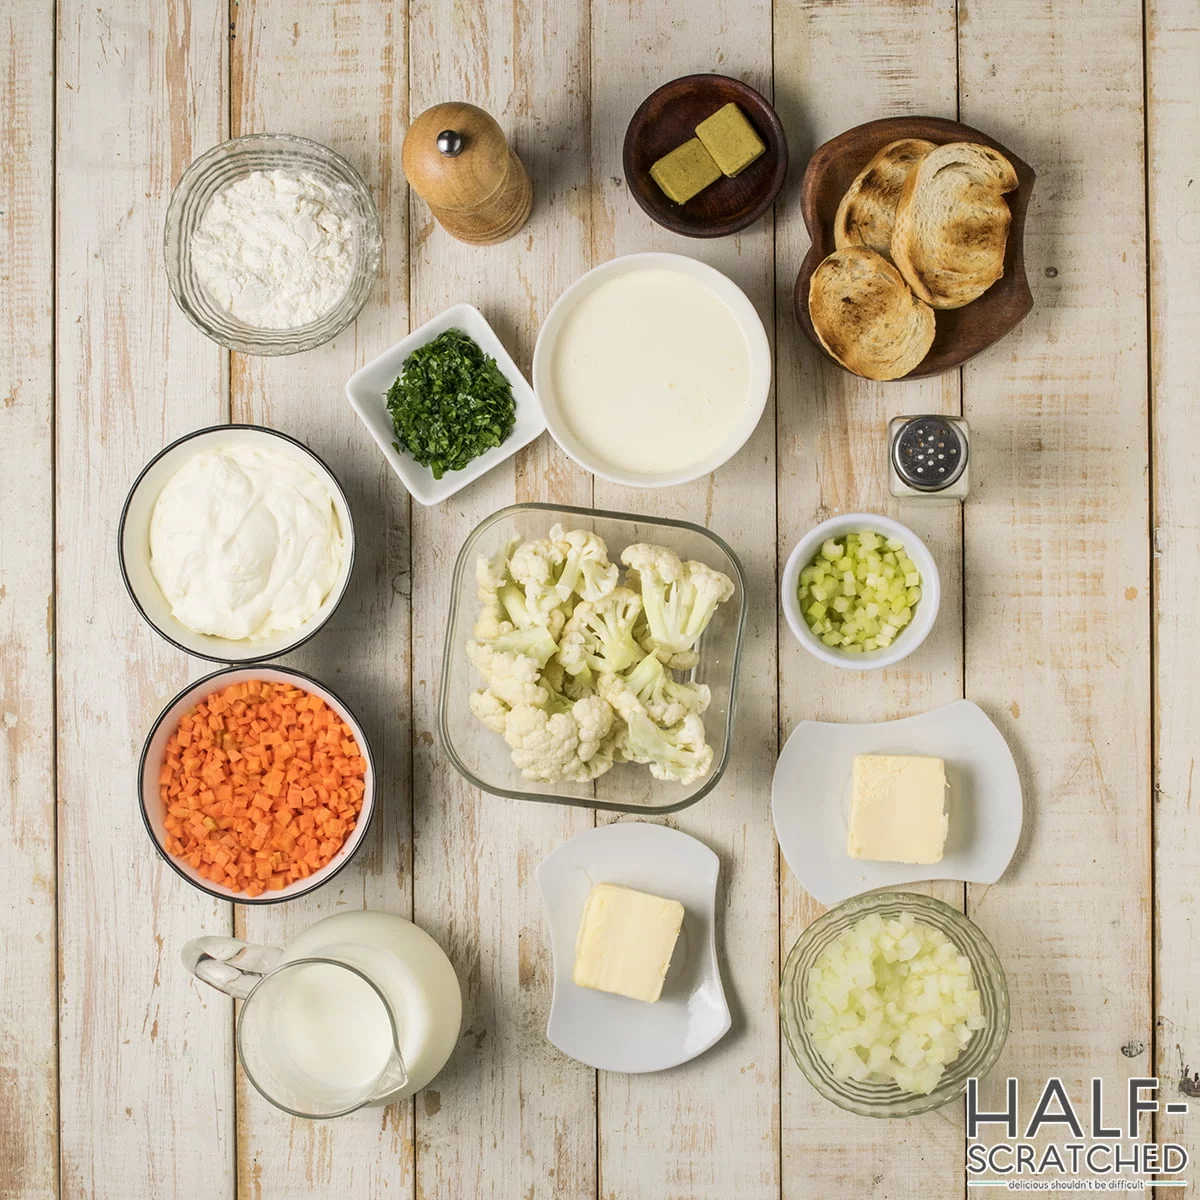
(625, 942)
(898, 809)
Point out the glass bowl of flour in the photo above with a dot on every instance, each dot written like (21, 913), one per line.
(272, 243)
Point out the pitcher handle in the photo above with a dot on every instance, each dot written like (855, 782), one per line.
(231, 966)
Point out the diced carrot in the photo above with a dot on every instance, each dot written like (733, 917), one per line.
(261, 784)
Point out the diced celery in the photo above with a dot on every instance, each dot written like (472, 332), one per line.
(858, 594)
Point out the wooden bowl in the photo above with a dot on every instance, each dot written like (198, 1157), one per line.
(961, 332)
(666, 119)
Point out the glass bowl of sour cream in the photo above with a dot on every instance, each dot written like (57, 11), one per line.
(236, 543)
(652, 369)
(272, 243)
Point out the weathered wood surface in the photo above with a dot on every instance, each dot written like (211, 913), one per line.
(832, 431)
(28, 933)
(1173, 166)
(1056, 545)
(283, 79)
(145, 1056)
(708, 1130)
(510, 1117)
(119, 1070)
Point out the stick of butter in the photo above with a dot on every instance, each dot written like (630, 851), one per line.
(898, 813)
(625, 942)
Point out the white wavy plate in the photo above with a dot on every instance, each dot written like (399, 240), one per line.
(614, 1033)
(810, 799)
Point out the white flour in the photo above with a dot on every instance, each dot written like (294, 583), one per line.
(272, 251)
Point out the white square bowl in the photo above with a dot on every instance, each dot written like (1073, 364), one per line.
(367, 390)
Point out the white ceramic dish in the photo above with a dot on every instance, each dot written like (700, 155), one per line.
(810, 799)
(367, 392)
(155, 748)
(133, 544)
(909, 638)
(733, 296)
(614, 1033)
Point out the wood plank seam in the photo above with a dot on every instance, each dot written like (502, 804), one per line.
(1151, 580)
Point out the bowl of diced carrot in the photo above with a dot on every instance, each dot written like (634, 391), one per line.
(256, 784)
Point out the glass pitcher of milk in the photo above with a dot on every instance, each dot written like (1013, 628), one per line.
(360, 1008)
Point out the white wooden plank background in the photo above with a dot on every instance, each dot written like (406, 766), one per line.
(28, 942)
(117, 1071)
(1056, 588)
(1173, 132)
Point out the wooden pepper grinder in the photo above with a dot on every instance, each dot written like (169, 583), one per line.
(457, 160)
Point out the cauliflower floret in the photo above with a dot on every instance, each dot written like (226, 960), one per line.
(491, 574)
(515, 606)
(599, 635)
(683, 660)
(535, 566)
(577, 669)
(585, 571)
(489, 708)
(565, 685)
(595, 718)
(550, 746)
(679, 753)
(664, 700)
(511, 664)
(679, 598)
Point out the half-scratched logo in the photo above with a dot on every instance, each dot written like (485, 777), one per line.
(1100, 1157)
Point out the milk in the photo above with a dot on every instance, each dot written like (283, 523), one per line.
(333, 1027)
(327, 1030)
(652, 372)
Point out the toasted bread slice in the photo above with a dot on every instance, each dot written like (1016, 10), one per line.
(866, 315)
(868, 209)
(952, 223)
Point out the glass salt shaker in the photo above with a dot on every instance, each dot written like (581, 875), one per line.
(928, 458)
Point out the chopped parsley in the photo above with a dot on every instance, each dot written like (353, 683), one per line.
(450, 403)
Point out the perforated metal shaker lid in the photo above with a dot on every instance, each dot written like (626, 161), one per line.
(929, 453)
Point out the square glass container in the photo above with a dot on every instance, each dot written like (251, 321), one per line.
(483, 758)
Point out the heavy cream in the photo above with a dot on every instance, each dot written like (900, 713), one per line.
(651, 372)
(245, 543)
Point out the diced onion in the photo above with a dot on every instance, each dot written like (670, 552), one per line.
(859, 593)
(892, 1000)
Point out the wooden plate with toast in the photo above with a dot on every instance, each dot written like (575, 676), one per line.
(961, 332)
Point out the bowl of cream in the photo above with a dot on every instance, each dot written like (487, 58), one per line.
(652, 369)
(236, 543)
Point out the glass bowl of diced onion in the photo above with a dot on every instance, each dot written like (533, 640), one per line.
(803, 991)
(823, 548)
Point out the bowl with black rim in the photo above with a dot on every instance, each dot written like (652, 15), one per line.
(133, 544)
(154, 755)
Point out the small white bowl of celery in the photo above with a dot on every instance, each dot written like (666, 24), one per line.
(860, 591)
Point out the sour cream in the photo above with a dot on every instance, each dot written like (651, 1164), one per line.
(245, 543)
(651, 373)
